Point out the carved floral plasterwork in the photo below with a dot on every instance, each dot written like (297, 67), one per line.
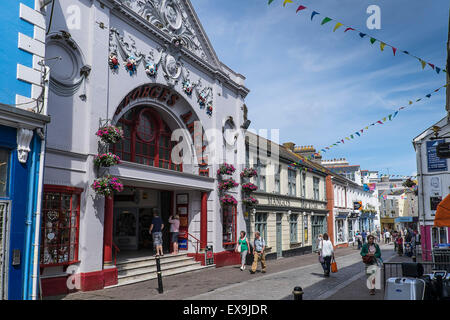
(168, 57)
(170, 17)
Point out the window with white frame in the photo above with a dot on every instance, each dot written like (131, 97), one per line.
(340, 232)
(316, 182)
(261, 224)
(277, 169)
(261, 178)
(293, 227)
(292, 177)
(303, 184)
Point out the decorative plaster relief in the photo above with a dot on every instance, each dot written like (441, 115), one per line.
(170, 17)
(24, 137)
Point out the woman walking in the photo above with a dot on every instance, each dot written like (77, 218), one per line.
(327, 252)
(174, 229)
(242, 246)
(371, 255)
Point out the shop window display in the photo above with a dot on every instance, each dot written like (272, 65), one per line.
(60, 225)
(229, 225)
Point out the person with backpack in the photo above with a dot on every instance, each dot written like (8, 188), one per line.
(243, 246)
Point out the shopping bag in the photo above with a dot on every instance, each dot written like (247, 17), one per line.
(334, 268)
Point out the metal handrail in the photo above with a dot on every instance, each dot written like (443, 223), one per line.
(198, 241)
(116, 250)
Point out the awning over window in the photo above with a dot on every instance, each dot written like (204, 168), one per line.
(442, 218)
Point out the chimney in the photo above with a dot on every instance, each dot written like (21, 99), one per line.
(289, 145)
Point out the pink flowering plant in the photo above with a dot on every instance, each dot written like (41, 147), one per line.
(227, 184)
(248, 173)
(107, 185)
(226, 168)
(228, 199)
(249, 187)
(250, 201)
(110, 134)
(106, 160)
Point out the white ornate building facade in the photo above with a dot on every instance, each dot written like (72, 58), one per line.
(148, 67)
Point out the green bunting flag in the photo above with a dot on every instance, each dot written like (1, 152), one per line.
(325, 20)
(384, 119)
(270, 1)
(362, 35)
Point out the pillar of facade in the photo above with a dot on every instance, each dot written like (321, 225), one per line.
(204, 221)
(108, 232)
(330, 206)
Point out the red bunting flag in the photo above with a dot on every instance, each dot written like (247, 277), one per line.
(431, 65)
(300, 8)
(394, 50)
(349, 29)
(379, 122)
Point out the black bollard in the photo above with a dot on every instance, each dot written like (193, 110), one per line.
(298, 293)
(158, 271)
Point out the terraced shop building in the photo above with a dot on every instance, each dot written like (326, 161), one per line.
(292, 203)
(148, 67)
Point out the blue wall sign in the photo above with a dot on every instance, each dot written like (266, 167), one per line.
(434, 162)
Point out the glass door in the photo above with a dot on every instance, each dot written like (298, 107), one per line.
(126, 228)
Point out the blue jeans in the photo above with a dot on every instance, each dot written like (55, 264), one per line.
(326, 265)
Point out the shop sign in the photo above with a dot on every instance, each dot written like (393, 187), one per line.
(277, 201)
(357, 205)
(156, 92)
(434, 162)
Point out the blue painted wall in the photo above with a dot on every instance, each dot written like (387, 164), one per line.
(10, 54)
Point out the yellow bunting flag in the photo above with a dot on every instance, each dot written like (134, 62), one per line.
(347, 138)
(382, 45)
(338, 25)
(423, 63)
(384, 119)
(286, 1)
(410, 102)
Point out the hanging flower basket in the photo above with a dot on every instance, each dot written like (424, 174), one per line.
(151, 69)
(110, 134)
(228, 200)
(113, 62)
(106, 185)
(131, 65)
(106, 160)
(188, 88)
(248, 173)
(249, 187)
(250, 201)
(227, 184)
(226, 168)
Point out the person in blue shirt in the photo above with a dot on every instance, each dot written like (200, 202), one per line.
(258, 253)
(364, 235)
(156, 231)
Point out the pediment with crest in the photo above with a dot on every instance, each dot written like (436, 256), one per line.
(175, 18)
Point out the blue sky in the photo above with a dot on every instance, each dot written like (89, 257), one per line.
(318, 86)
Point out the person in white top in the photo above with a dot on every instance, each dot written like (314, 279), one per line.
(327, 253)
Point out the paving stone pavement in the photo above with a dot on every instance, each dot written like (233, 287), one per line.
(186, 285)
(279, 286)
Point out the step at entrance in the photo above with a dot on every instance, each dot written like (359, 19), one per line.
(133, 270)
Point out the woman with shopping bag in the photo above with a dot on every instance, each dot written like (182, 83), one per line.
(327, 253)
(371, 256)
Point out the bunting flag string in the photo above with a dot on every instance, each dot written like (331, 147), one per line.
(383, 44)
(389, 117)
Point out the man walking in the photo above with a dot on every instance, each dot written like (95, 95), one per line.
(364, 235)
(258, 253)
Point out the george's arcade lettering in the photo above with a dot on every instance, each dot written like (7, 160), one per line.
(156, 92)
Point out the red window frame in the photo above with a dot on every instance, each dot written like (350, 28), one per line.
(233, 223)
(141, 149)
(74, 206)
